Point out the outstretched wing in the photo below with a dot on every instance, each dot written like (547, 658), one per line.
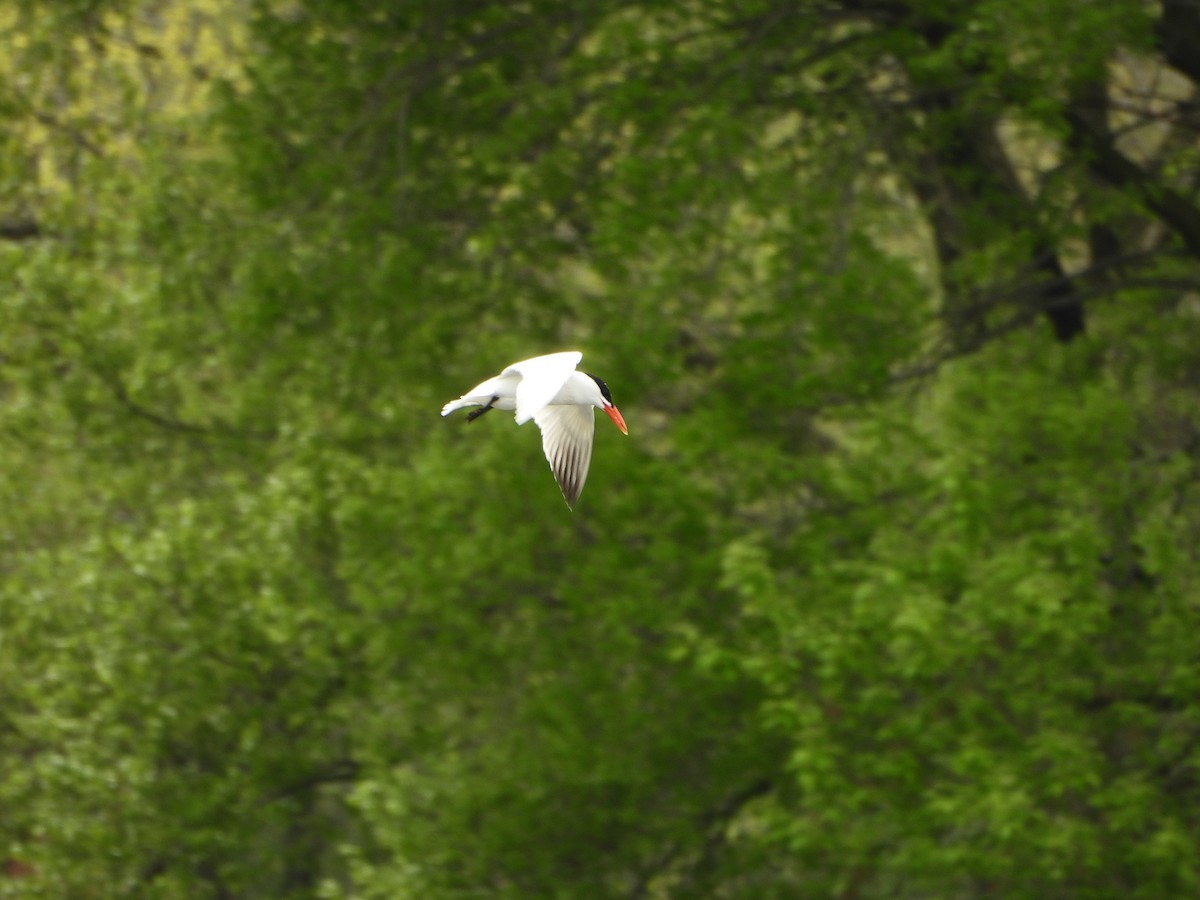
(541, 378)
(567, 441)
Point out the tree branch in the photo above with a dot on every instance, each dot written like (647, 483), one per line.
(1179, 36)
(1107, 162)
(19, 229)
(121, 393)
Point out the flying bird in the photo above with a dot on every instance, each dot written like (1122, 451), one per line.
(548, 390)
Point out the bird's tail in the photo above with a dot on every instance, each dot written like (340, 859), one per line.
(484, 394)
(466, 400)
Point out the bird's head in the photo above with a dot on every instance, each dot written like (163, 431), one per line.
(606, 403)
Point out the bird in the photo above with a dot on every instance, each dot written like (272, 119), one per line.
(549, 390)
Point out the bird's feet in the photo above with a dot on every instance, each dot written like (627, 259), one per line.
(475, 414)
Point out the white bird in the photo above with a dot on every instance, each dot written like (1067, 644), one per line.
(548, 390)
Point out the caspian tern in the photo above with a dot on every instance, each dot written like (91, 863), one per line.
(548, 390)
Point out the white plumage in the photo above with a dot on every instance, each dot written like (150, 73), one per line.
(549, 390)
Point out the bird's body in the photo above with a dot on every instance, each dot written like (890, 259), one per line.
(549, 390)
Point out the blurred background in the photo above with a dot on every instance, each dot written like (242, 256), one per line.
(892, 591)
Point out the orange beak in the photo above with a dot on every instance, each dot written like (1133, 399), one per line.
(618, 419)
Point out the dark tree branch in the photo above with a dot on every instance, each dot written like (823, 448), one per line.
(1179, 36)
(121, 393)
(1111, 165)
(19, 229)
(1060, 300)
(963, 173)
(714, 823)
(939, 182)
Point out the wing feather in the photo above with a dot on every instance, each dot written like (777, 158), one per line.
(542, 377)
(567, 433)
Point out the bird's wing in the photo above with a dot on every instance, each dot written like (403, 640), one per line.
(567, 440)
(541, 378)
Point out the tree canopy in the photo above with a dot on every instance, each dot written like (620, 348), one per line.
(892, 591)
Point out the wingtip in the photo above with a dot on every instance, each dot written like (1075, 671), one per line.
(573, 497)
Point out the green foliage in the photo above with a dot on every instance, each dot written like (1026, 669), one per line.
(891, 591)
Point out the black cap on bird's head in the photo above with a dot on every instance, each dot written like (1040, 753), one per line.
(604, 392)
(609, 407)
